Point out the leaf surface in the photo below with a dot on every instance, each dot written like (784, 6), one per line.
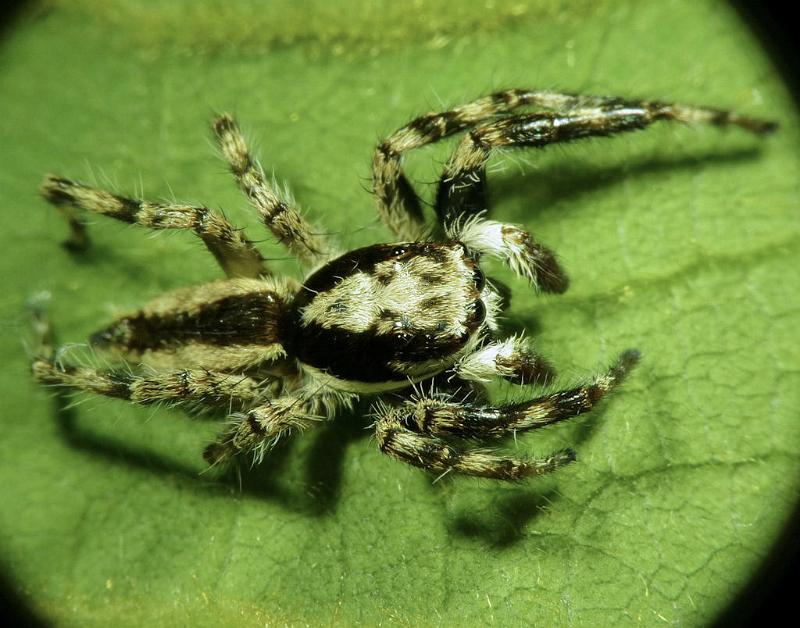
(682, 242)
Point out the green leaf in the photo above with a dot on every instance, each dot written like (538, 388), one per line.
(682, 242)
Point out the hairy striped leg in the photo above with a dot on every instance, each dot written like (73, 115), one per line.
(276, 210)
(465, 173)
(461, 197)
(258, 430)
(435, 454)
(462, 187)
(398, 205)
(417, 432)
(512, 359)
(235, 253)
(440, 418)
(197, 386)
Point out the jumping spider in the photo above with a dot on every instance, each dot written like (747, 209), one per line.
(389, 320)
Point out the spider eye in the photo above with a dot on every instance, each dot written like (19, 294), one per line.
(464, 250)
(480, 310)
(479, 278)
(399, 251)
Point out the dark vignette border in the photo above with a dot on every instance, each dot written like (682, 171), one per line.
(774, 24)
(772, 591)
(14, 609)
(12, 9)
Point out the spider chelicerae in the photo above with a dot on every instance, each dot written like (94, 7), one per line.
(413, 323)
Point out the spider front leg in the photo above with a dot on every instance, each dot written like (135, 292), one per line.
(434, 454)
(237, 255)
(462, 187)
(461, 191)
(398, 205)
(463, 420)
(416, 432)
(276, 210)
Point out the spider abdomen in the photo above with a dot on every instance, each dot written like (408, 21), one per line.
(388, 313)
(221, 325)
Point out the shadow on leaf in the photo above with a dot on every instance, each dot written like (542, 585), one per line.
(546, 189)
(503, 525)
(323, 462)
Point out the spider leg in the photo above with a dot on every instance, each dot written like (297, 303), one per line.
(259, 429)
(199, 386)
(275, 209)
(462, 187)
(235, 253)
(415, 431)
(516, 247)
(512, 359)
(458, 198)
(398, 205)
(434, 454)
(441, 418)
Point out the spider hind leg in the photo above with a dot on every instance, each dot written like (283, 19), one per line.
(203, 388)
(276, 209)
(237, 255)
(259, 429)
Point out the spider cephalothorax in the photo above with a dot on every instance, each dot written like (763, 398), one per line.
(380, 317)
(279, 355)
